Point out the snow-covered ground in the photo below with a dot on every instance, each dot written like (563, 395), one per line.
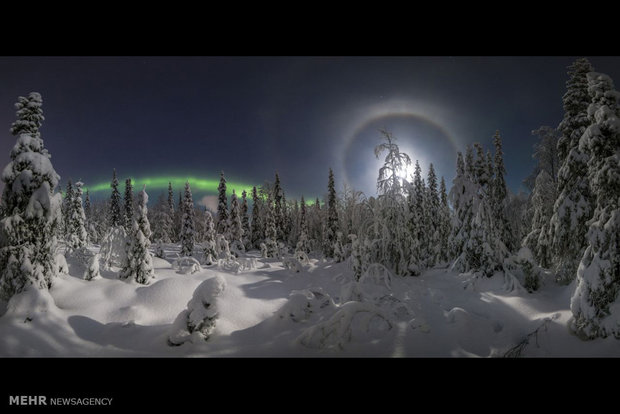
(270, 310)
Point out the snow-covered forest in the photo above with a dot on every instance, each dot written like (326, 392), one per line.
(425, 267)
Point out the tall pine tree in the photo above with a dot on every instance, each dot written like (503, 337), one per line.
(257, 231)
(77, 236)
(245, 221)
(596, 301)
(499, 196)
(187, 233)
(138, 262)
(222, 207)
(574, 204)
(331, 226)
(271, 233)
(234, 224)
(278, 208)
(67, 209)
(433, 210)
(30, 208)
(115, 217)
(173, 234)
(445, 225)
(128, 212)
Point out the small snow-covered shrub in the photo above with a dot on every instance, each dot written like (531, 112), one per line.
(302, 304)
(523, 269)
(236, 248)
(159, 251)
(230, 265)
(186, 264)
(197, 323)
(92, 271)
(247, 263)
(292, 263)
(353, 320)
(61, 264)
(209, 252)
(223, 249)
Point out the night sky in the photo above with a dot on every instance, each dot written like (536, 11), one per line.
(159, 117)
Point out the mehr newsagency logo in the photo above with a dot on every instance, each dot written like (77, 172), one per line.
(59, 401)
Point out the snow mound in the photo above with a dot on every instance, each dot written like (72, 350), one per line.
(197, 322)
(186, 264)
(354, 321)
(458, 315)
(303, 304)
(28, 304)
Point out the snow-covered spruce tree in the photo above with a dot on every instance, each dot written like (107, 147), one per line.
(499, 196)
(574, 204)
(575, 102)
(546, 154)
(278, 210)
(67, 205)
(245, 221)
(76, 236)
(391, 239)
(209, 243)
(87, 206)
(314, 216)
(115, 217)
(421, 217)
(199, 224)
(339, 250)
(257, 232)
(128, 211)
(331, 225)
(596, 301)
(484, 251)
(30, 208)
(433, 212)
(222, 207)
(88, 215)
(461, 196)
(175, 226)
(143, 219)
(444, 225)
(357, 264)
(537, 240)
(29, 116)
(234, 225)
(303, 243)
(187, 233)
(480, 248)
(177, 219)
(270, 245)
(139, 263)
(162, 222)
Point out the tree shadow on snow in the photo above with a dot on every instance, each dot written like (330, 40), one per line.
(133, 339)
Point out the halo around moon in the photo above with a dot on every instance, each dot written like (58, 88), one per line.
(397, 116)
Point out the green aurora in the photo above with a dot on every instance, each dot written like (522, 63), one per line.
(161, 183)
(198, 185)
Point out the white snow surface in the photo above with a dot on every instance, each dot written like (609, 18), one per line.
(268, 310)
